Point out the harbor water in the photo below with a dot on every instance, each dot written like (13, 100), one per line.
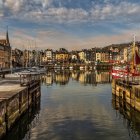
(77, 106)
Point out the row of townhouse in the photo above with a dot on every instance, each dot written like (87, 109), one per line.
(30, 58)
(83, 56)
(25, 58)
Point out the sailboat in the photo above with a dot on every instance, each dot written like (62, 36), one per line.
(130, 69)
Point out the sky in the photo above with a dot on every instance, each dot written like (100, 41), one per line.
(72, 24)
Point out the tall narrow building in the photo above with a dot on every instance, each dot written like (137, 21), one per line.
(5, 52)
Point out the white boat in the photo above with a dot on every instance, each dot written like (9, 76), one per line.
(39, 70)
(13, 75)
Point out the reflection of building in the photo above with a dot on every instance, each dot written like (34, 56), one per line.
(5, 52)
(74, 75)
(84, 77)
(103, 77)
(48, 78)
(90, 78)
(62, 78)
(98, 78)
(87, 77)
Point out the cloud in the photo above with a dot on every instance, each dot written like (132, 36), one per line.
(123, 11)
(17, 8)
(46, 10)
(63, 14)
(13, 6)
(101, 15)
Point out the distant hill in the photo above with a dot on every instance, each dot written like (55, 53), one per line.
(121, 46)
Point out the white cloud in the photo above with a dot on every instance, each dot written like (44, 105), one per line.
(123, 11)
(21, 7)
(14, 6)
(46, 3)
(63, 14)
(46, 11)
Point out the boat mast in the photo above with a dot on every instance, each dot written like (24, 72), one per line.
(133, 54)
(7, 40)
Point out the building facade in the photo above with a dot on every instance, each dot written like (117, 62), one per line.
(47, 56)
(17, 58)
(62, 55)
(5, 51)
(2, 56)
(81, 55)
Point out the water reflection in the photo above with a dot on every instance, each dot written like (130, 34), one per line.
(21, 130)
(84, 77)
(81, 109)
(131, 117)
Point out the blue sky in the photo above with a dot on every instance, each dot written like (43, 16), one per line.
(73, 24)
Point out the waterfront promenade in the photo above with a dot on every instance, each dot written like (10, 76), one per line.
(127, 91)
(15, 99)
